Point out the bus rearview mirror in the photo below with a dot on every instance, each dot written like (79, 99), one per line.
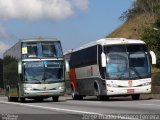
(103, 59)
(153, 57)
(19, 67)
(66, 65)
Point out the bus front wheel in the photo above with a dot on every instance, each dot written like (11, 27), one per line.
(101, 97)
(39, 99)
(22, 99)
(10, 99)
(136, 97)
(15, 99)
(55, 98)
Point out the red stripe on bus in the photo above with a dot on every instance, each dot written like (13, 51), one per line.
(72, 76)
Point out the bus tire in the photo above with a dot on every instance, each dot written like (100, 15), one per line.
(22, 99)
(74, 96)
(97, 92)
(15, 99)
(80, 97)
(99, 97)
(103, 98)
(77, 97)
(39, 99)
(10, 99)
(136, 97)
(55, 98)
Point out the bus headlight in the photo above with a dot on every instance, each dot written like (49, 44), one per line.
(28, 87)
(60, 88)
(112, 85)
(146, 84)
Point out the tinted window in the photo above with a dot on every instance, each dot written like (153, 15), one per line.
(30, 50)
(51, 49)
(42, 49)
(84, 57)
(127, 61)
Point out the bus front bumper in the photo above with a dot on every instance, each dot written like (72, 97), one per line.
(129, 90)
(46, 93)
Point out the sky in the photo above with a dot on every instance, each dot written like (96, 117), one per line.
(73, 22)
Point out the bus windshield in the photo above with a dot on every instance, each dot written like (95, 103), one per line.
(127, 62)
(43, 72)
(41, 49)
(30, 50)
(51, 49)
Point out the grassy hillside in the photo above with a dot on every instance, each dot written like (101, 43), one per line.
(133, 27)
(140, 23)
(140, 16)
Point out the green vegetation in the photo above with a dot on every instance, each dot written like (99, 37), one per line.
(151, 35)
(10, 75)
(142, 21)
(139, 7)
(1, 73)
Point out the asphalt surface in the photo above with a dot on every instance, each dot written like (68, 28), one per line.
(87, 109)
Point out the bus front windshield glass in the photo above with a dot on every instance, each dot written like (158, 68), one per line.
(51, 49)
(45, 49)
(127, 62)
(43, 72)
(30, 50)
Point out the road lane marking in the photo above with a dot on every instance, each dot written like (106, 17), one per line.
(97, 115)
(92, 102)
(48, 108)
(150, 104)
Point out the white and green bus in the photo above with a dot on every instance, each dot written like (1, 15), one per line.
(34, 69)
(110, 67)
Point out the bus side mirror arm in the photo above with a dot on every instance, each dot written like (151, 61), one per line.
(153, 57)
(19, 67)
(66, 65)
(103, 59)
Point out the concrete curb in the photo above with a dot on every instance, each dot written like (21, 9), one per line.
(150, 96)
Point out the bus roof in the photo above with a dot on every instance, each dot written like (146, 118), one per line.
(39, 39)
(109, 41)
(17, 47)
(114, 41)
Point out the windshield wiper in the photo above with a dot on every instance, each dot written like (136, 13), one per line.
(33, 81)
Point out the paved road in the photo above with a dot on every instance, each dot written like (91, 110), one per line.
(89, 108)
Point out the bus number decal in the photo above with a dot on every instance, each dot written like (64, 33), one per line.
(24, 50)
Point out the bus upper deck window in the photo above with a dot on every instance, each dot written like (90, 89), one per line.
(29, 50)
(32, 51)
(48, 50)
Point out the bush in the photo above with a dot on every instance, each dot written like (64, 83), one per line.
(151, 35)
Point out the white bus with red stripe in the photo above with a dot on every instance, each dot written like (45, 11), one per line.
(110, 67)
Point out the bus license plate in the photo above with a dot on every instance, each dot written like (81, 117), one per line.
(130, 90)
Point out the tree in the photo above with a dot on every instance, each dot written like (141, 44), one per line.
(1, 73)
(151, 7)
(151, 35)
